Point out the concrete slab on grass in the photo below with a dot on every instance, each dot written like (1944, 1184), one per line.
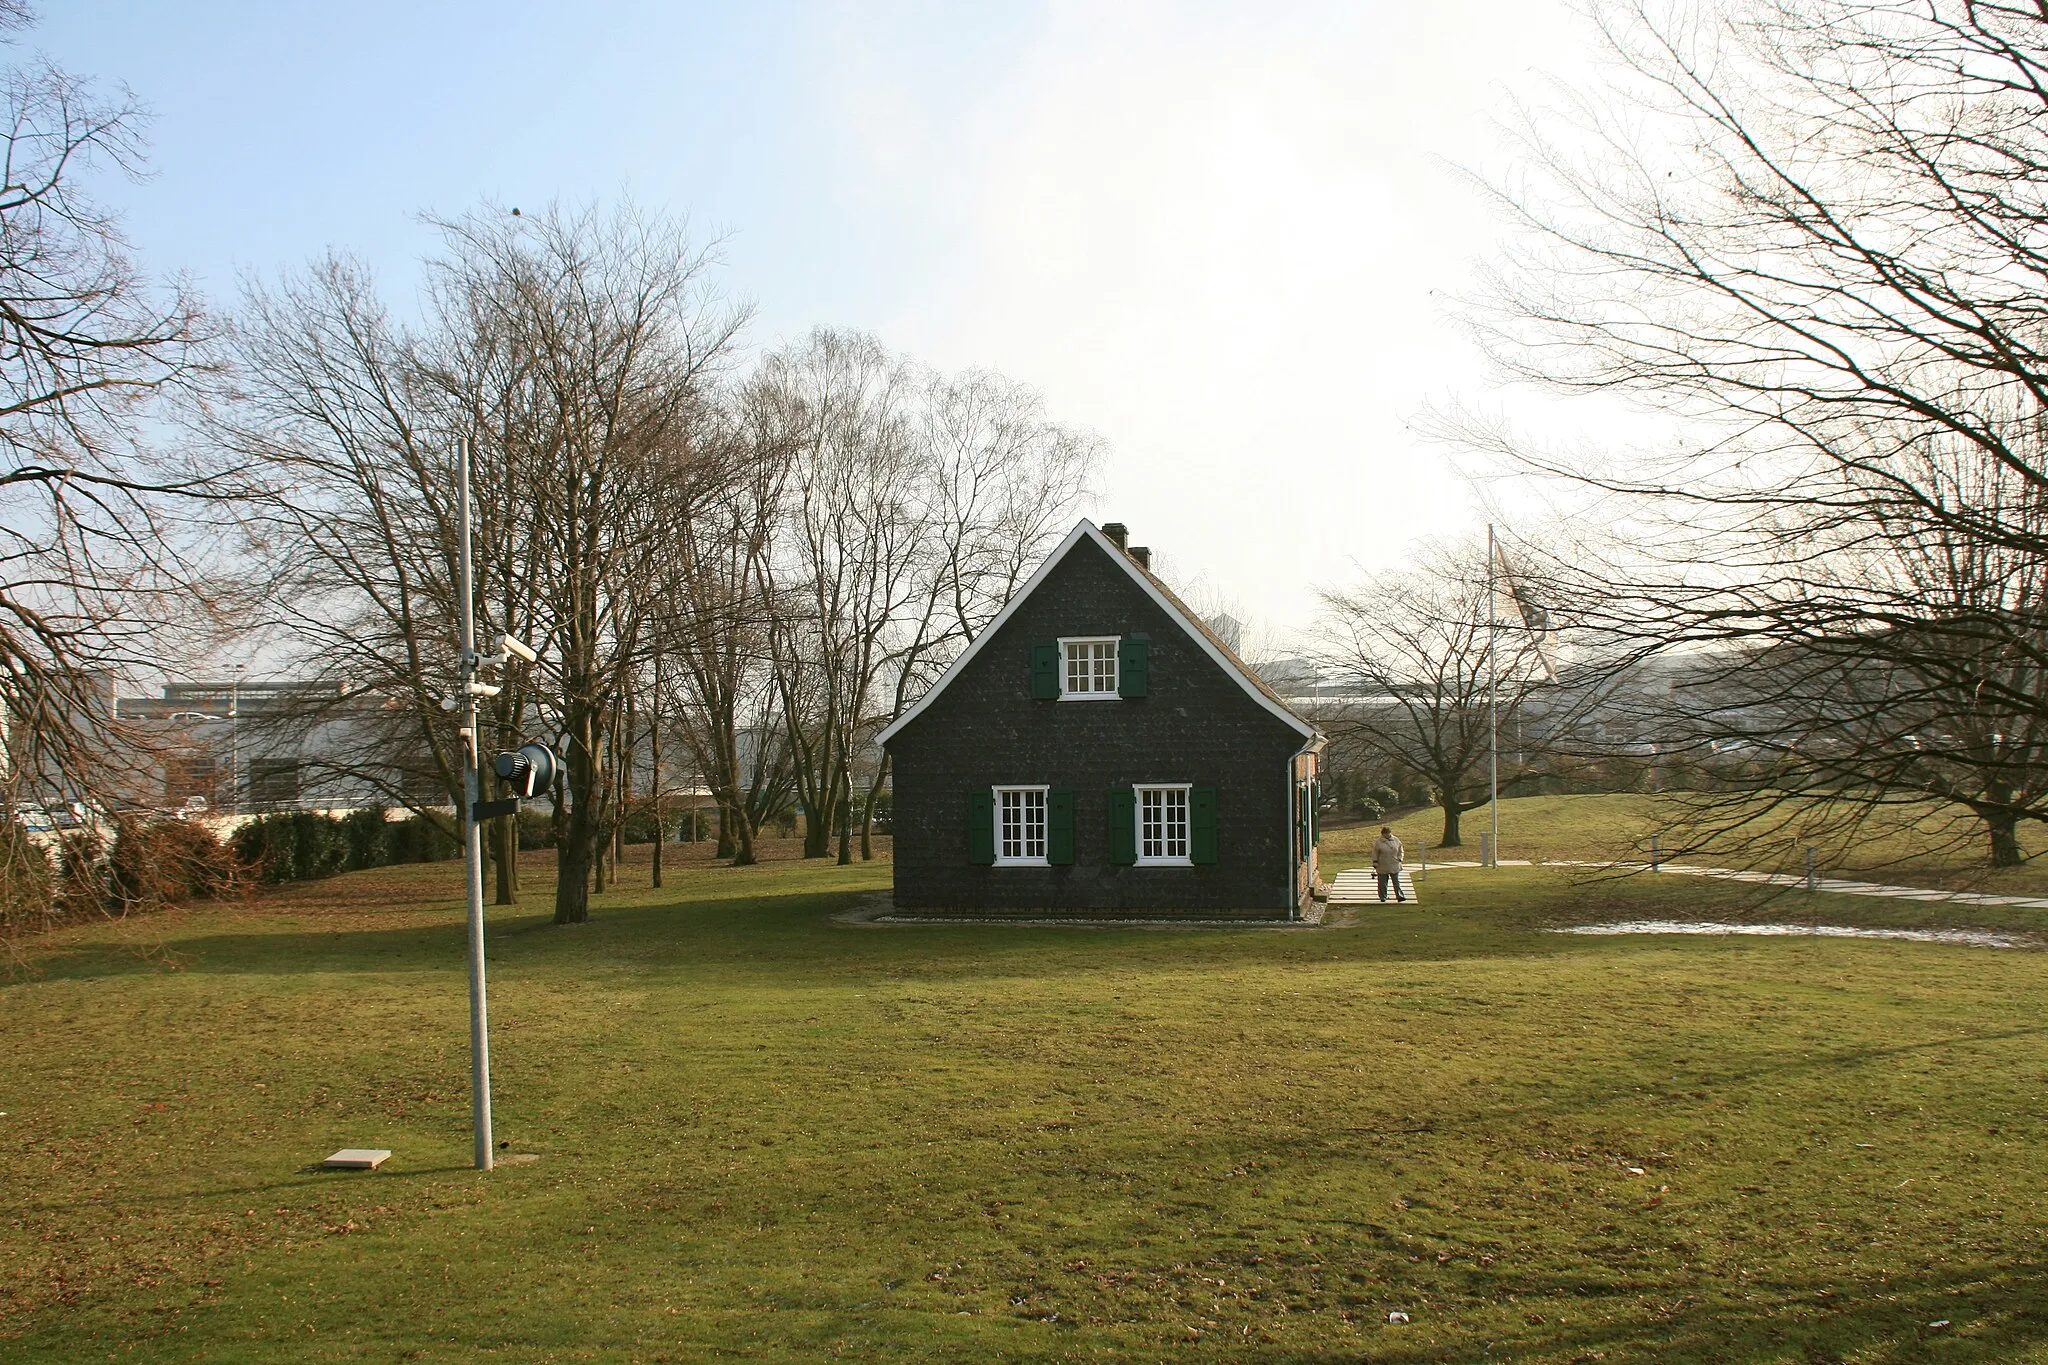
(357, 1159)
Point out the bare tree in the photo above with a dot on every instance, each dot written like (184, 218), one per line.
(998, 483)
(1811, 231)
(839, 574)
(1420, 644)
(97, 532)
(355, 419)
(913, 507)
(576, 352)
(1844, 680)
(626, 337)
(714, 633)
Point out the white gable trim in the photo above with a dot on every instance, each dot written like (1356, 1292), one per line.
(1085, 530)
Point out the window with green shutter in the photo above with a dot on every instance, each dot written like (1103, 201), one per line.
(1045, 670)
(1202, 825)
(1133, 659)
(1123, 826)
(1059, 827)
(981, 828)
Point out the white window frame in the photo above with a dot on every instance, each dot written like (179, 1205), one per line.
(1116, 674)
(1044, 825)
(1138, 790)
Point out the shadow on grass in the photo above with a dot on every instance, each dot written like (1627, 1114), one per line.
(1983, 1314)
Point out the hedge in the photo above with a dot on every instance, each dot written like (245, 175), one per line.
(297, 846)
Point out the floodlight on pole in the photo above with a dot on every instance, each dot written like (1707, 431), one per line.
(530, 770)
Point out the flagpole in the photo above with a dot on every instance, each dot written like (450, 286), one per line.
(1492, 698)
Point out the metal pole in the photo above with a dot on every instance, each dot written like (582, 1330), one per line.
(1656, 858)
(472, 839)
(1492, 702)
(235, 741)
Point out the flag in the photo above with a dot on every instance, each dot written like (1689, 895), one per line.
(1529, 607)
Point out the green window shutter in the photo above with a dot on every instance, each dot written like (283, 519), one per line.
(1315, 812)
(1059, 827)
(1133, 667)
(981, 828)
(1123, 826)
(1202, 825)
(1045, 670)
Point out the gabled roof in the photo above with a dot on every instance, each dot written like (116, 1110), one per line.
(1175, 609)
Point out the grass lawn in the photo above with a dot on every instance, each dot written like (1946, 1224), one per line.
(764, 1134)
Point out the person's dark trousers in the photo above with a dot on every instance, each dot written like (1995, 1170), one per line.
(1392, 879)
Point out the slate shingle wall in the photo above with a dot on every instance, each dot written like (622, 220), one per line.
(1198, 726)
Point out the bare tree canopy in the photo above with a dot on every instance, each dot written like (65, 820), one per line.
(579, 353)
(913, 507)
(1818, 224)
(1432, 672)
(95, 533)
(766, 566)
(1815, 233)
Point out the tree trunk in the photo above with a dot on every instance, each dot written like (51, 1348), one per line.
(743, 854)
(2005, 840)
(505, 841)
(654, 761)
(845, 814)
(660, 834)
(817, 828)
(727, 818)
(1452, 810)
(584, 836)
(867, 814)
(572, 886)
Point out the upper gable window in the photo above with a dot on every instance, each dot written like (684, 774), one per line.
(1088, 668)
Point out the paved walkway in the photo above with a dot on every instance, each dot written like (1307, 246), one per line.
(1837, 885)
(1358, 886)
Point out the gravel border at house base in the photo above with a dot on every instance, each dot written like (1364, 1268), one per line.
(877, 912)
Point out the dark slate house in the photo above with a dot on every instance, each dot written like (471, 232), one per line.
(1097, 750)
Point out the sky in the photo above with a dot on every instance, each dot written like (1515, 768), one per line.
(1228, 238)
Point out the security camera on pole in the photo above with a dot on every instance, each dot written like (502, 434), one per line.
(534, 774)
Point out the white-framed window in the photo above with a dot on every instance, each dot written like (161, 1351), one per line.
(1020, 827)
(1163, 825)
(1088, 668)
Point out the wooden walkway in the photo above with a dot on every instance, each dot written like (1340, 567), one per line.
(1358, 886)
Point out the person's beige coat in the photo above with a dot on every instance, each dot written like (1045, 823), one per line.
(1386, 855)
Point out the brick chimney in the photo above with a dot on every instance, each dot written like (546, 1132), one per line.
(1118, 533)
(1142, 554)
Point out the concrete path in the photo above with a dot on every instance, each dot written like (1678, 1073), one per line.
(1837, 885)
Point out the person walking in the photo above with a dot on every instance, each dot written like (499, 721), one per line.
(1386, 862)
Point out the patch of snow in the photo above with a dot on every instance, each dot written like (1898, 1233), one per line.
(1972, 938)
